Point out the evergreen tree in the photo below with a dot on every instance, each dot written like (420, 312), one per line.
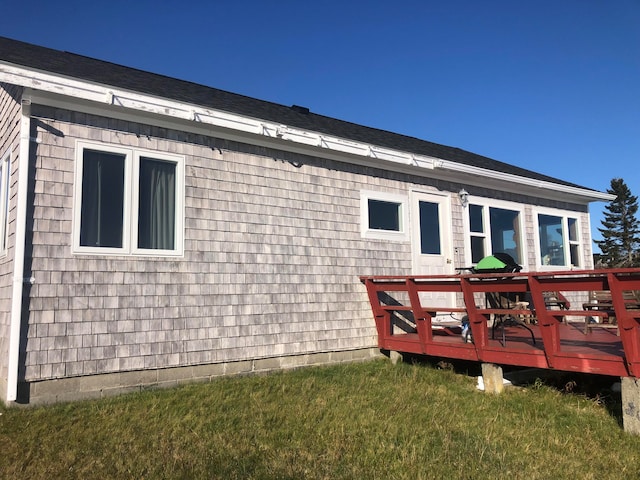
(620, 228)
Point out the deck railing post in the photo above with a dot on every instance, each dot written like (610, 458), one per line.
(423, 319)
(628, 327)
(381, 317)
(477, 321)
(548, 324)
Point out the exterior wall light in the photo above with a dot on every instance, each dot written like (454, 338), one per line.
(464, 197)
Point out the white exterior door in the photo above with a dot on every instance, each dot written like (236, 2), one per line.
(431, 241)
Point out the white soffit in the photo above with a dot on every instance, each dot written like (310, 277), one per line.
(40, 81)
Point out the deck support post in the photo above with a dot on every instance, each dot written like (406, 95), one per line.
(395, 357)
(492, 378)
(631, 405)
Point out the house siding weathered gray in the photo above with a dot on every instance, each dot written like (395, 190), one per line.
(264, 272)
(273, 251)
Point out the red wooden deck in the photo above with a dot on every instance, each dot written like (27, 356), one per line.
(406, 321)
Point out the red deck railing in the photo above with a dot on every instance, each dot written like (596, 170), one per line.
(408, 320)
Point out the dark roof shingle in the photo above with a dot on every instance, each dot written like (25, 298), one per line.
(106, 73)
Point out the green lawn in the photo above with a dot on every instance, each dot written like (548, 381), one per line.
(360, 421)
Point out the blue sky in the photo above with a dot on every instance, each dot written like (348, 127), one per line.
(550, 85)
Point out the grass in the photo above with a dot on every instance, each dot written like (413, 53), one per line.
(371, 420)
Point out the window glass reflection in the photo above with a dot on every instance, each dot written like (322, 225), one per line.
(551, 240)
(505, 232)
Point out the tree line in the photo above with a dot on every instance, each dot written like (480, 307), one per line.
(620, 244)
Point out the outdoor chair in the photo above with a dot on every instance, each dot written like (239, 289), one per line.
(502, 263)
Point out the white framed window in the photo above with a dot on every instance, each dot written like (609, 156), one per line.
(573, 238)
(5, 178)
(384, 216)
(493, 226)
(558, 241)
(128, 201)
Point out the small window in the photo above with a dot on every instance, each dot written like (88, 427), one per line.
(574, 242)
(476, 221)
(129, 202)
(478, 236)
(5, 177)
(384, 216)
(477, 249)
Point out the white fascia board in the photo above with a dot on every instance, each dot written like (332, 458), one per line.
(506, 179)
(289, 138)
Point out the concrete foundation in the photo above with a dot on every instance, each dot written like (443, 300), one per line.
(631, 405)
(493, 378)
(395, 357)
(110, 384)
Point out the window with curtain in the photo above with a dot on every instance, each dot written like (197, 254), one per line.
(129, 202)
(157, 204)
(102, 199)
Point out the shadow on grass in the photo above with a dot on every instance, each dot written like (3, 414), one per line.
(602, 389)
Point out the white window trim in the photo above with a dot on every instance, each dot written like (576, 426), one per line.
(374, 234)
(5, 185)
(130, 221)
(487, 203)
(564, 215)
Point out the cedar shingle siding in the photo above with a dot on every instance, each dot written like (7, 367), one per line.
(272, 255)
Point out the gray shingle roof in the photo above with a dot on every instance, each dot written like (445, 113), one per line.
(106, 73)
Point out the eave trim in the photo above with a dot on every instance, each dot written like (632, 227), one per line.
(348, 150)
